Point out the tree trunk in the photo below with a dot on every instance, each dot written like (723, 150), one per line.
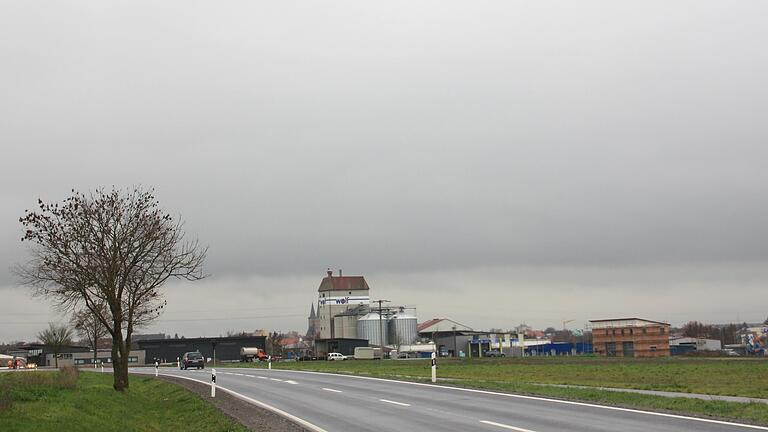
(56, 359)
(119, 365)
(95, 342)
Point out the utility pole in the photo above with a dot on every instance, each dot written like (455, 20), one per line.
(381, 328)
(455, 352)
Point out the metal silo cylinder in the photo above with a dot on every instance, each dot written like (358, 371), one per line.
(368, 328)
(403, 327)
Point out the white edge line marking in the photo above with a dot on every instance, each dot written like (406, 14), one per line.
(250, 376)
(261, 377)
(332, 390)
(277, 411)
(275, 379)
(394, 403)
(505, 426)
(540, 398)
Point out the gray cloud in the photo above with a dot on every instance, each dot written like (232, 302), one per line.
(403, 138)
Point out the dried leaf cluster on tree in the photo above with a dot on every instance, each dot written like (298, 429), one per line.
(113, 248)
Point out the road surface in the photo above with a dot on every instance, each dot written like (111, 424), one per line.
(347, 403)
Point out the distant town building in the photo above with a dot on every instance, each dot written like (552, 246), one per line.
(630, 337)
(313, 323)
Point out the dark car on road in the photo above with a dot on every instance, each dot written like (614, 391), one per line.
(494, 353)
(192, 360)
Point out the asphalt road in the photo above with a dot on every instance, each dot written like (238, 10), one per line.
(346, 403)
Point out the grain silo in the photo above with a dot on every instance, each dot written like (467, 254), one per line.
(370, 327)
(402, 327)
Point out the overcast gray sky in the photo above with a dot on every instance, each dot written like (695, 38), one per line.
(496, 162)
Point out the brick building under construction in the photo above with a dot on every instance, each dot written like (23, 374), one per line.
(630, 337)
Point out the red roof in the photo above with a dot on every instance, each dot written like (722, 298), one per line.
(343, 283)
(427, 324)
(289, 341)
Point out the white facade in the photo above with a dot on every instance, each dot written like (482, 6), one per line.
(701, 344)
(626, 322)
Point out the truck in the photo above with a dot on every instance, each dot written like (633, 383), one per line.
(367, 353)
(248, 354)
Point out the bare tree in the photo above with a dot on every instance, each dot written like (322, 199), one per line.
(274, 344)
(56, 337)
(114, 247)
(88, 327)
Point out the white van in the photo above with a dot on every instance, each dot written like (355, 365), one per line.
(336, 356)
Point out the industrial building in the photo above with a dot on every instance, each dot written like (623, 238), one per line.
(84, 358)
(345, 313)
(340, 345)
(683, 345)
(452, 339)
(336, 296)
(42, 354)
(220, 348)
(630, 337)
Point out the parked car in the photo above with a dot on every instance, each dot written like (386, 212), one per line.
(192, 359)
(493, 353)
(336, 356)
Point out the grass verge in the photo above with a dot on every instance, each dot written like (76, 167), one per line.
(735, 377)
(58, 400)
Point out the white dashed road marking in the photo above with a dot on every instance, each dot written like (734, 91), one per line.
(394, 403)
(291, 382)
(331, 390)
(503, 426)
(275, 379)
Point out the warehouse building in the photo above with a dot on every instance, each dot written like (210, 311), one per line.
(630, 337)
(345, 346)
(451, 338)
(85, 358)
(42, 354)
(221, 348)
(684, 345)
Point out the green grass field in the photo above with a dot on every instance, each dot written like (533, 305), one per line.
(732, 377)
(53, 401)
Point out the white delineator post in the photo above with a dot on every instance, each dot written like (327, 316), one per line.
(178, 363)
(434, 368)
(269, 359)
(213, 382)
(102, 367)
(157, 365)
